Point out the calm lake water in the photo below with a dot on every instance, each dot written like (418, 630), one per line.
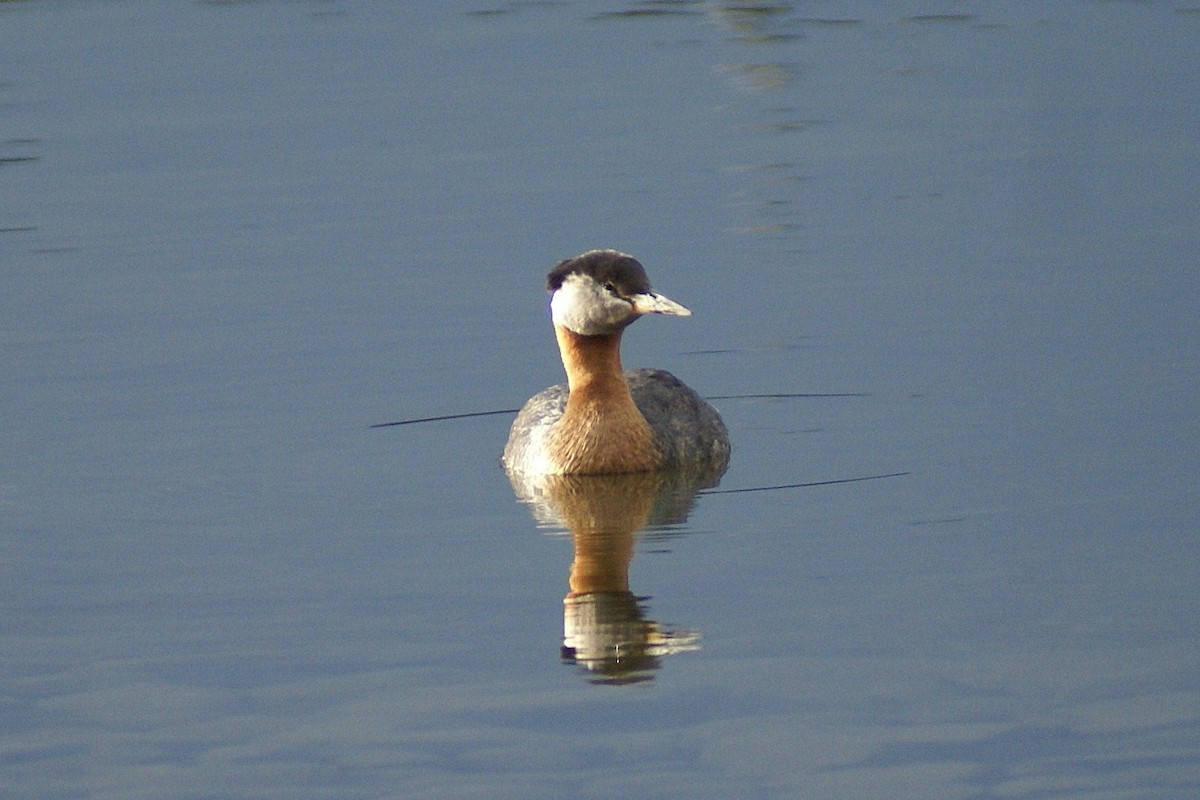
(235, 235)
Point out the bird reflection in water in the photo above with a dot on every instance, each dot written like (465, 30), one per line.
(605, 628)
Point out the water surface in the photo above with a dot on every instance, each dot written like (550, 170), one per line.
(235, 235)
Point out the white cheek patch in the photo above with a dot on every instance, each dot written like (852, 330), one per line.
(580, 305)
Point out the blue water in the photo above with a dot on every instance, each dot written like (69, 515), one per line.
(233, 236)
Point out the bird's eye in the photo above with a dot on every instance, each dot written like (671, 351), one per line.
(608, 287)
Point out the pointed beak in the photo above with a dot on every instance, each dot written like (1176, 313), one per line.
(651, 303)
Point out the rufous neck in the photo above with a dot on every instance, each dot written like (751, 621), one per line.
(590, 361)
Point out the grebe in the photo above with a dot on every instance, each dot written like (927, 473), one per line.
(603, 421)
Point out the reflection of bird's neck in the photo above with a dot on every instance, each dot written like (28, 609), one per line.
(601, 563)
(601, 430)
(603, 514)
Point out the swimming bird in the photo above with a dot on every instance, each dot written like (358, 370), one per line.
(604, 420)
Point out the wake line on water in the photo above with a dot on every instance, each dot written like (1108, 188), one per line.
(470, 414)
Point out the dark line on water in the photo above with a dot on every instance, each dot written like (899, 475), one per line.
(805, 485)
(469, 415)
(446, 417)
(783, 395)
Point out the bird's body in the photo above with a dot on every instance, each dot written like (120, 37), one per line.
(604, 420)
